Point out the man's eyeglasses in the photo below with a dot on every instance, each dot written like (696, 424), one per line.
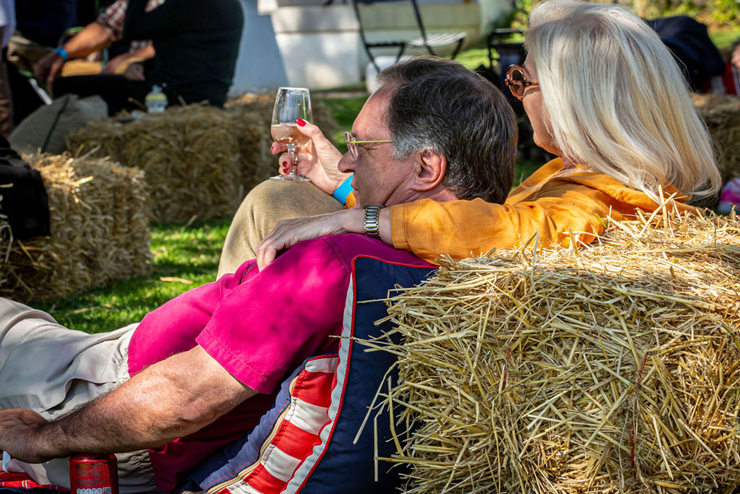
(517, 81)
(352, 144)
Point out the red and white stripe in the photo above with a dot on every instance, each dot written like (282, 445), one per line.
(296, 432)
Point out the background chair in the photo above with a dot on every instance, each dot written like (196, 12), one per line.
(427, 41)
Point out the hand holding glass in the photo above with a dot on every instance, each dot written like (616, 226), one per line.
(291, 104)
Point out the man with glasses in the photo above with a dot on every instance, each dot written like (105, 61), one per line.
(198, 372)
(437, 119)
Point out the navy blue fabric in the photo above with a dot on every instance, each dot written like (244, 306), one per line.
(45, 21)
(690, 43)
(348, 467)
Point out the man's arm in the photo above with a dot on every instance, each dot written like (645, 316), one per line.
(168, 400)
(119, 64)
(94, 37)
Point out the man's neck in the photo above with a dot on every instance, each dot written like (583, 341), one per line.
(440, 194)
(443, 195)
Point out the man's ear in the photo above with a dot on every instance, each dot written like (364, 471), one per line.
(431, 170)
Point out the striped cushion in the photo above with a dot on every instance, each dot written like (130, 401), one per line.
(309, 441)
(21, 482)
(266, 459)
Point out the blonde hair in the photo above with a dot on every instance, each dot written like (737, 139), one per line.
(617, 100)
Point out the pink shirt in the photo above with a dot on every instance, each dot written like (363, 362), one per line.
(259, 326)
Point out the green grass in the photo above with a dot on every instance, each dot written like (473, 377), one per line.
(725, 38)
(185, 256)
(344, 110)
(474, 57)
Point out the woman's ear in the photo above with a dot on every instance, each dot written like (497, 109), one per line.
(432, 169)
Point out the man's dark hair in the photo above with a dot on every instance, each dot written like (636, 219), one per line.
(442, 106)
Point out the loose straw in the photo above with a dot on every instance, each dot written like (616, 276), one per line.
(615, 368)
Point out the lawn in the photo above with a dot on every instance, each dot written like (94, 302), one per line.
(185, 256)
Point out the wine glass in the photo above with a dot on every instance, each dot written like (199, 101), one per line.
(291, 104)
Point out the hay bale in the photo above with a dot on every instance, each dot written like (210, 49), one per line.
(722, 116)
(199, 160)
(189, 155)
(99, 231)
(611, 369)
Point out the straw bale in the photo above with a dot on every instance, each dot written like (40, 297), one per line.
(612, 368)
(189, 155)
(199, 160)
(99, 231)
(722, 116)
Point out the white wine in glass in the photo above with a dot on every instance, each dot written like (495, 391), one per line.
(291, 104)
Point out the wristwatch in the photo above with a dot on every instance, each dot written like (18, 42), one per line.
(372, 224)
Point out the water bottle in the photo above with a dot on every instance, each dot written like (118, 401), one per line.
(156, 100)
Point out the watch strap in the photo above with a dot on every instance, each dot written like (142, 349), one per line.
(372, 223)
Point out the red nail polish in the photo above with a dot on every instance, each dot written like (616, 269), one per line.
(300, 122)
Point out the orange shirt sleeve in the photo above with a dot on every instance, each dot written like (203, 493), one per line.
(548, 205)
(469, 228)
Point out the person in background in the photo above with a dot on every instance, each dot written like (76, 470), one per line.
(96, 36)
(119, 80)
(7, 28)
(603, 94)
(45, 21)
(196, 45)
(41, 24)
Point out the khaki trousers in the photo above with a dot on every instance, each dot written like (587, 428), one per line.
(265, 205)
(52, 370)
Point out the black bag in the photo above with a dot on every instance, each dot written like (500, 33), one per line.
(24, 199)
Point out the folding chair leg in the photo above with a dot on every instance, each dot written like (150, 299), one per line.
(457, 48)
(375, 64)
(398, 57)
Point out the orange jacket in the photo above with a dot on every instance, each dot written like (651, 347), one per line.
(546, 203)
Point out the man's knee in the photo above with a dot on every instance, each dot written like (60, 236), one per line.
(259, 212)
(274, 200)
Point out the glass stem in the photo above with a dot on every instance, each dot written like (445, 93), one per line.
(292, 158)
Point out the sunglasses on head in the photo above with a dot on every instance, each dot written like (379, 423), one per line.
(517, 82)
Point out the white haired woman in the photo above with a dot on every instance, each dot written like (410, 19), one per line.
(604, 95)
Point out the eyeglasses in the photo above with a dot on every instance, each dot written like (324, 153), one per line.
(517, 81)
(352, 144)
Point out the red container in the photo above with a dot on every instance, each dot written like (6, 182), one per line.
(93, 474)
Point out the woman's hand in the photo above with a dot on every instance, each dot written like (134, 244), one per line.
(289, 232)
(318, 160)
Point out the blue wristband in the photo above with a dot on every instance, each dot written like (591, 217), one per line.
(62, 53)
(344, 190)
